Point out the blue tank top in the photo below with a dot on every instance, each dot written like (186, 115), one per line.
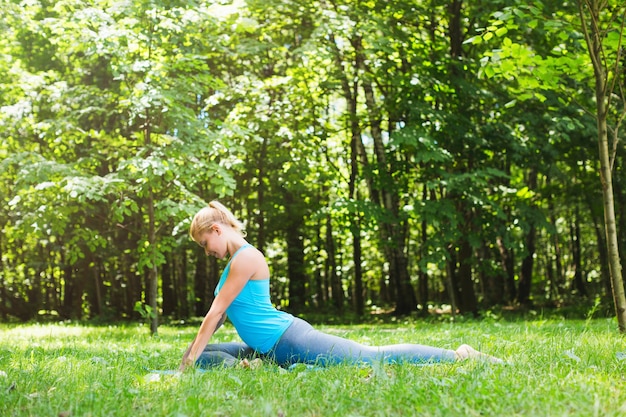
(258, 322)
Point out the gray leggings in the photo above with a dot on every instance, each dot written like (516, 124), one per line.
(301, 343)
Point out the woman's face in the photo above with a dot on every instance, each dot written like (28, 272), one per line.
(212, 243)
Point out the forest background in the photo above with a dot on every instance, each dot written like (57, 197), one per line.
(397, 155)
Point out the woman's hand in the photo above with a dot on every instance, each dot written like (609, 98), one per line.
(187, 362)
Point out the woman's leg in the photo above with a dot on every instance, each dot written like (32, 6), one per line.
(224, 354)
(302, 343)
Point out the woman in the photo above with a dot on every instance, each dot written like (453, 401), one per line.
(243, 294)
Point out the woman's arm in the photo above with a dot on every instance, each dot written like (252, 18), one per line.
(220, 323)
(183, 364)
(209, 326)
(245, 266)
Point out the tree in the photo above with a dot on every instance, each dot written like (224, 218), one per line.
(125, 94)
(596, 26)
(371, 147)
(603, 26)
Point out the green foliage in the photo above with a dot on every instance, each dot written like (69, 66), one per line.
(119, 120)
(550, 66)
(146, 312)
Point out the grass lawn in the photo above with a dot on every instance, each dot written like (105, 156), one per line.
(557, 368)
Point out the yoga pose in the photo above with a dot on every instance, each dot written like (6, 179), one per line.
(243, 294)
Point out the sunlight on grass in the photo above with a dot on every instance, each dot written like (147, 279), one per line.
(557, 367)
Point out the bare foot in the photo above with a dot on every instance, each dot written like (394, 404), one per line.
(253, 364)
(465, 352)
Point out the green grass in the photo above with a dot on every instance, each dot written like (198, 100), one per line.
(557, 368)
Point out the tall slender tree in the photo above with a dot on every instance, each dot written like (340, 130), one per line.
(603, 27)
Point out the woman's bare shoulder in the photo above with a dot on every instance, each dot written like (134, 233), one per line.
(253, 261)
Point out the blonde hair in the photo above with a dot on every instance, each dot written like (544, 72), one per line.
(215, 212)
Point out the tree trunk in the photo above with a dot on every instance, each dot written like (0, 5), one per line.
(355, 219)
(296, 272)
(602, 251)
(526, 273)
(97, 284)
(557, 279)
(357, 155)
(320, 288)
(392, 235)
(167, 285)
(615, 266)
(4, 294)
(492, 282)
(200, 286)
(579, 282)
(260, 218)
(467, 301)
(393, 232)
(133, 284)
(331, 268)
(181, 290)
(359, 302)
(422, 281)
(507, 262)
(594, 36)
(295, 253)
(153, 283)
(450, 280)
(72, 292)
